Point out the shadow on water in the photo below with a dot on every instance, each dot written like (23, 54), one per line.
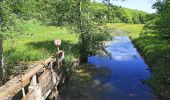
(121, 77)
(83, 86)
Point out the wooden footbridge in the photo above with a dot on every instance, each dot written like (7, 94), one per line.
(39, 81)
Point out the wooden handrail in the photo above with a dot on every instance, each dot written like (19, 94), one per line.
(36, 69)
(39, 86)
(13, 86)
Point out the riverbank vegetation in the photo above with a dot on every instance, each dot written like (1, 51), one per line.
(155, 48)
(157, 33)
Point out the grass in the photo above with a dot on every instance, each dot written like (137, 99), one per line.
(37, 45)
(133, 29)
(156, 52)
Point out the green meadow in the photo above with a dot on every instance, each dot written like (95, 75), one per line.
(133, 30)
(36, 44)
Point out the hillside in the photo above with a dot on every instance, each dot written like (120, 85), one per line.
(117, 14)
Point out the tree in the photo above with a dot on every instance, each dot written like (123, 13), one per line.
(162, 20)
(7, 24)
(3, 28)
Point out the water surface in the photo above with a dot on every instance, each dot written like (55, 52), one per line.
(119, 77)
(128, 71)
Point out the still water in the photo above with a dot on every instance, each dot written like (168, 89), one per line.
(125, 80)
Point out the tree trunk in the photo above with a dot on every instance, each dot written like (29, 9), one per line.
(88, 9)
(2, 66)
(81, 37)
(80, 15)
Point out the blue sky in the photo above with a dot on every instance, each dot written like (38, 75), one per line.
(144, 5)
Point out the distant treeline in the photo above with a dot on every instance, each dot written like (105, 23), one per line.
(63, 12)
(117, 14)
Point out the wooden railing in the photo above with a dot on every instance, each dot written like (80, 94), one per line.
(38, 82)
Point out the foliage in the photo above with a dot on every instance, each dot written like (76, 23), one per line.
(89, 34)
(162, 20)
(90, 39)
(7, 19)
(6, 25)
(117, 14)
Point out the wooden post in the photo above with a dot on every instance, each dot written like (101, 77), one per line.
(57, 42)
(55, 75)
(57, 57)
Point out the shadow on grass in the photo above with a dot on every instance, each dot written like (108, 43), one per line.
(16, 60)
(39, 50)
(49, 46)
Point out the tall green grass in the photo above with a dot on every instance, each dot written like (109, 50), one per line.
(35, 43)
(134, 30)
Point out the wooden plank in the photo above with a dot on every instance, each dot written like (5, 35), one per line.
(45, 81)
(45, 84)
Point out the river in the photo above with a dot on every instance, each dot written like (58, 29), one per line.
(122, 77)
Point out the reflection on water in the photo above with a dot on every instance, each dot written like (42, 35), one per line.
(123, 80)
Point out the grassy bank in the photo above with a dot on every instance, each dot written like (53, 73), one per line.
(156, 51)
(36, 44)
(134, 30)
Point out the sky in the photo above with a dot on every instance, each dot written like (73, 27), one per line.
(144, 5)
